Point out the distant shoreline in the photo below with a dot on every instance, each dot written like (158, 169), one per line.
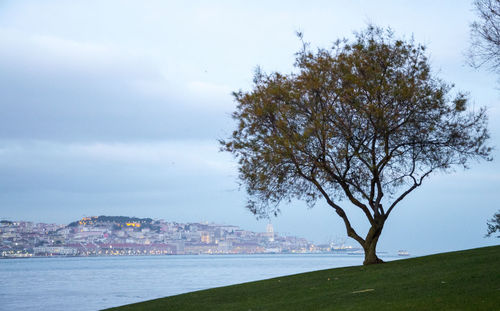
(343, 253)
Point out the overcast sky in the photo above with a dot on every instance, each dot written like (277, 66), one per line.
(115, 108)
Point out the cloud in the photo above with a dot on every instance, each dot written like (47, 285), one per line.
(209, 88)
(73, 90)
(57, 54)
(195, 94)
(190, 156)
(71, 52)
(195, 156)
(122, 167)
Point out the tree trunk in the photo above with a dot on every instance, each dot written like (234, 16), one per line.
(371, 253)
(370, 245)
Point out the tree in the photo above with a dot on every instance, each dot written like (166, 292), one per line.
(485, 35)
(494, 225)
(364, 122)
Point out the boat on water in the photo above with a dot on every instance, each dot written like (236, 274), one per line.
(403, 252)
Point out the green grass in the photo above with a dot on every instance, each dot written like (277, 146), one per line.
(465, 280)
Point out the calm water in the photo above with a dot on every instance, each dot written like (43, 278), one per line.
(102, 282)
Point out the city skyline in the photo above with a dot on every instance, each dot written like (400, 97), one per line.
(132, 236)
(112, 108)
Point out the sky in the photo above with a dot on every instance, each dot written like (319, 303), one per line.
(116, 108)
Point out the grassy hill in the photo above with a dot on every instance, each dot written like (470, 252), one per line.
(465, 280)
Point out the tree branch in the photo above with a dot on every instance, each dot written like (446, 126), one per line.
(404, 194)
(350, 230)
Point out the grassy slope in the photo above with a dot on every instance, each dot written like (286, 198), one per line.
(465, 280)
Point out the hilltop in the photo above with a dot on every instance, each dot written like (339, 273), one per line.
(119, 220)
(464, 280)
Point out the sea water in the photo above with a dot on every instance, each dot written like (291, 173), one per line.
(94, 283)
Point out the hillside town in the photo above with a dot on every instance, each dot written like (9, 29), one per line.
(127, 236)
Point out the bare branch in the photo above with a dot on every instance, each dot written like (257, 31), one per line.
(404, 194)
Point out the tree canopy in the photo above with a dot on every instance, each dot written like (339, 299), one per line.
(363, 121)
(485, 35)
(494, 225)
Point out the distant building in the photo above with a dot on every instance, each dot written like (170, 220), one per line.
(205, 237)
(225, 246)
(270, 232)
